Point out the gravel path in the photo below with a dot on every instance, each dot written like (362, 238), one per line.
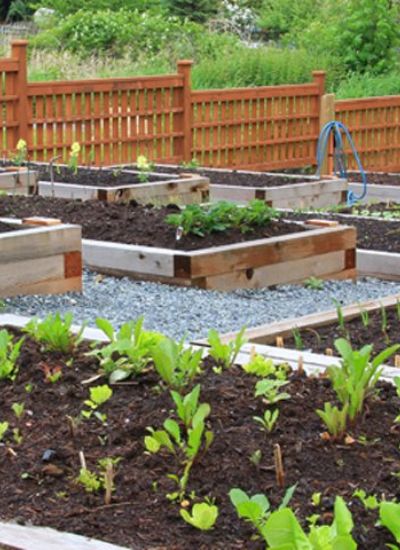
(186, 311)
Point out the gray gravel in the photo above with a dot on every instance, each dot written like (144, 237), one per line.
(186, 311)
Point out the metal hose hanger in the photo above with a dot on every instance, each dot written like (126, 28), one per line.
(337, 129)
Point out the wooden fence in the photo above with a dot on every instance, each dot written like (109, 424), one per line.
(161, 117)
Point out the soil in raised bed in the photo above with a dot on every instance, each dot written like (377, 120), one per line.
(42, 490)
(131, 223)
(98, 178)
(372, 234)
(318, 339)
(232, 177)
(5, 227)
(378, 178)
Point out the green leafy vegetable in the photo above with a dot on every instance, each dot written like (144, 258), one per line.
(203, 516)
(55, 332)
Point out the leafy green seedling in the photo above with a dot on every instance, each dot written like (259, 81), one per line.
(17, 436)
(298, 340)
(313, 283)
(3, 429)
(225, 354)
(98, 396)
(90, 480)
(316, 499)
(264, 367)
(129, 350)
(268, 420)
(55, 333)
(18, 409)
(364, 318)
(389, 516)
(369, 502)
(255, 458)
(334, 418)
(269, 390)
(9, 353)
(176, 366)
(203, 516)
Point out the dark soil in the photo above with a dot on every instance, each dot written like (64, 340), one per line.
(320, 338)
(232, 177)
(105, 178)
(372, 234)
(131, 223)
(376, 178)
(380, 210)
(5, 227)
(44, 492)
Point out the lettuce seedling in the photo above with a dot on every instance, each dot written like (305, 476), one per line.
(369, 502)
(263, 367)
(203, 516)
(269, 390)
(389, 515)
(9, 353)
(176, 365)
(18, 409)
(129, 351)
(225, 354)
(55, 333)
(98, 396)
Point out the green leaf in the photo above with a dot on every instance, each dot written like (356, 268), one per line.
(172, 428)
(203, 516)
(106, 327)
(151, 444)
(283, 531)
(389, 514)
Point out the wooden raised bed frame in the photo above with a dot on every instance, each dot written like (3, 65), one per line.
(40, 260)
(327, 252)
(18, 181)
(185, 189)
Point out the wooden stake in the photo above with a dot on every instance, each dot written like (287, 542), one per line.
(82, 460)
(279, 342)
(108, 482)
(300, 365)
(397, 361)
(280, 474)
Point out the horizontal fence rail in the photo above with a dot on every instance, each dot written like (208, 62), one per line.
(162, 118)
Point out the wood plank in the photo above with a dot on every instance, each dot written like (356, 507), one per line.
(205, 263)
(376, 263)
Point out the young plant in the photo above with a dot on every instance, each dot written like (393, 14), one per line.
(256, 509)
(364, 318)
(369, 502)
(354, 380)
(203, 516)
(269, 390)
(129, 351)
(55, 333)
(283, 530)
(18, 409)
(3, 429)
(262, 367)
(144, 167)
(176, 365)
(313, 283)
(269, 419)
(9, 354)
(335, 419)
(340, 317)
(74, 157)
(225, 354)
(103, 479)
(389, 516)
(22, 153)
(184, 443)
(298, 340)
(384, 325)
(98, 396)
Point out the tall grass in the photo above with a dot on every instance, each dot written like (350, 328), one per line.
(366, 85)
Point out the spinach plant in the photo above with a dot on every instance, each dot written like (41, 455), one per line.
(9, 354)
(176, 365)
(55, 333)
(335, 419)
(225, 354)
(269, 390)
(129, 350)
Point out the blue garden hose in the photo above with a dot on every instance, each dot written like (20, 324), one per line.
(336, 128)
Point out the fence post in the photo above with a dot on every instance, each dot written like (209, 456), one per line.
(184, 69)
(327, 113)
(18, 53)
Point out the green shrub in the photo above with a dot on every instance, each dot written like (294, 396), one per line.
(196, 10)
(64, 8)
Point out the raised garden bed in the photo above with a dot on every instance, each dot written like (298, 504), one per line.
(278, 190)
(382, 186)
(378, 238)
(375, 322)
(39, 260)
(38, 474)
(116, 185)
(18, 180)
(145, 246)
